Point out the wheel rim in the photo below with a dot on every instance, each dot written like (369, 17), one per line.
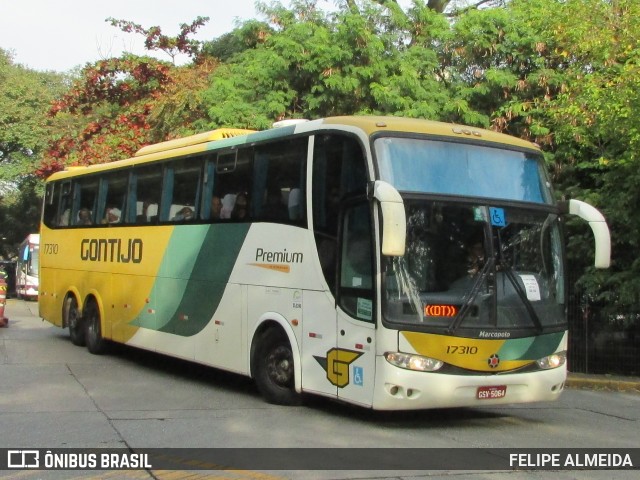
(92, 325)
(73, 317)
(280, 366)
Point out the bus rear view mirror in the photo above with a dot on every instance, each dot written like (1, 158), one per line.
(394, 220)
(598, 225)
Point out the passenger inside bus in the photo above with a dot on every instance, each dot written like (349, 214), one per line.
(111, 215)
(216, 207)
(227, 204)
(147, 212)
(241, 207)
(84, 217)
(185, 214)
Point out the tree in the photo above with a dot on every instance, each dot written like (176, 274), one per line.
(24, 132)
(156, 40)
(118, 105)
(597, 123)
(25, 96)
(104, 115)
(370, 59)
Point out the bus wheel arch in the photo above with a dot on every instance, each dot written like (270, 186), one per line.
(72, 318)
(275, 364)
(92, 320)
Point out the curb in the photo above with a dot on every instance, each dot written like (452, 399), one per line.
(603, 382)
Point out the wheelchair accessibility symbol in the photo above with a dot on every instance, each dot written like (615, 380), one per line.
(358, 376)
(497, 217)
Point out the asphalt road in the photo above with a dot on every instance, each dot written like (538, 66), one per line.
(54, 395)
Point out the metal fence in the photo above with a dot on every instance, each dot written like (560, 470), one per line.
(601, 341)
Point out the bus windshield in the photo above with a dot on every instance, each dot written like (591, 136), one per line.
(34, 263)
(469, 266)
(439, 167)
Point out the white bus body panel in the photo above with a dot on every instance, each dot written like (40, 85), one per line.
(408, 390)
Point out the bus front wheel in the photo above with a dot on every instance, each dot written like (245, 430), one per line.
(93, 330)
(274, 369)
(73, 320)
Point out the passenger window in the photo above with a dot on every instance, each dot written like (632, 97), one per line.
(64, 208)
(148, 181)
(233, 187)
(339, 173)
(181, 190)
(356, 263)
(115, 195)
(279, 182)
(51, 200)
(85, 201)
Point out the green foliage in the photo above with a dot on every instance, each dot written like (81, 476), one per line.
(370, 59)
(24, 132)
(24, 128)
(248, 35)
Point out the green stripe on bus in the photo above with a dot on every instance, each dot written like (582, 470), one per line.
(193, 277)
(530, 348)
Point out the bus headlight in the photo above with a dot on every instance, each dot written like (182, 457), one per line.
(554, 360)
(413, 362)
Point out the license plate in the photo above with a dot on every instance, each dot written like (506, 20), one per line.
(488, 393)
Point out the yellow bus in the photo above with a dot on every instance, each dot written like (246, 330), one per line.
(388, 262)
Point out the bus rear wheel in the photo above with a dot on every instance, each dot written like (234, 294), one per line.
(275, 369)
(73, 320)
(96, 344)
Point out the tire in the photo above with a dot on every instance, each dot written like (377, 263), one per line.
(93, 329)
(274, 369)
(73, 320)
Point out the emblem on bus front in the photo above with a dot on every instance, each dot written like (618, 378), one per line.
(493, 361)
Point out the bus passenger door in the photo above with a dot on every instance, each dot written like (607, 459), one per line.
(354, 360)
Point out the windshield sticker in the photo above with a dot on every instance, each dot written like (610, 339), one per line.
(531, 287)
(479, 214)
(365, 308)
(497, 217)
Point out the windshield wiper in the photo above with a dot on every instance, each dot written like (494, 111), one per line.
(522, 294)
(466, 307)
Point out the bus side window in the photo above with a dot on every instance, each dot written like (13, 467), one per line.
(279, 178)
(234, 186)
(339, 172)
(64, 207)
(51, 198)
(85, 201)
(115, 193)
(185, 186)
(146, 194)
(356, 263)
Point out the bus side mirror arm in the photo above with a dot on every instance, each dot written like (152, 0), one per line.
(598, 225)
(394, 220)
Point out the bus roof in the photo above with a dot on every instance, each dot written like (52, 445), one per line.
(205, 137)
(230, 137)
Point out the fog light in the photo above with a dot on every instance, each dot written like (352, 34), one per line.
(552, 361)
(417, 363)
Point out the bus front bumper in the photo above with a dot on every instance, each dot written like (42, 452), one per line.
(401, 389)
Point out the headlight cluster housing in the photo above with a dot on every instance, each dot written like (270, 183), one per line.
(409, 361)
(554, 360)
